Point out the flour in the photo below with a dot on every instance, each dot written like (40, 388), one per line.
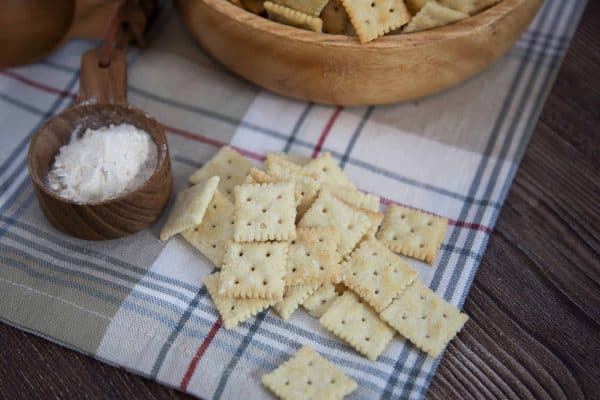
(103, 164)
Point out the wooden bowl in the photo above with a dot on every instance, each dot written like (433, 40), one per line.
(115, 217)
(337, 69)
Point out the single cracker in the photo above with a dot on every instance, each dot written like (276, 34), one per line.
(317, 303)
(229, 165)
(288, 16)
(433, 15)
(306, 187)
(313, 256)
(358, 324)
(334, 18)
(307, 375)
(264, 212)
(413, 233)
(328, 210)
(353, 196)
(254, 270)
(254, 6)
(189, 208)
(309, 7)
(327, 171)
(293, 296)
(213, 235)
(372, 19)
(376, 274)
(424, 318)
(233, 311)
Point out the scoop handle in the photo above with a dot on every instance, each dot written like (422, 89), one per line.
(103, 84)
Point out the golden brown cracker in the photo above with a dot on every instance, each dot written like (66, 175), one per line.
(254, 270)
(424, 318)
(413, 233)
(288, 16)
(372, 19)
(307, 375)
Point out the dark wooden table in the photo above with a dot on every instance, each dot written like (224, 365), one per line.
(535, 304)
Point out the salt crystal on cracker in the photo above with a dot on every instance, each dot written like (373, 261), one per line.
(288, 16)
(254, 270)
(433, 15)
(328, 210)
(424, 318)
(357, 324)
(307, 375)
(233, 311)
(374, 18)
(412, 233)
(376, 274)
(264, 212)
(229, 165)
(313, 256)
(189, 208)
(213, 235)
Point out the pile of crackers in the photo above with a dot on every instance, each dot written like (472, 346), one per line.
(299, 233)
(367, 19)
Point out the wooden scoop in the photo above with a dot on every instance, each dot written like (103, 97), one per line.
(102, 101)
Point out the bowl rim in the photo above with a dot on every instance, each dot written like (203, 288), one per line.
(463, 27)
(162, 156)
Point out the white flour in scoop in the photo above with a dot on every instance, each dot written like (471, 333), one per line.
(103, 164)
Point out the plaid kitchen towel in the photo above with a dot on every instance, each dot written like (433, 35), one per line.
(138, 303)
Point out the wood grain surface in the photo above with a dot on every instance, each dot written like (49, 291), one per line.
(337, 69)
(535, 303)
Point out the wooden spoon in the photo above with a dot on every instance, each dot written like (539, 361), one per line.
(101, 101)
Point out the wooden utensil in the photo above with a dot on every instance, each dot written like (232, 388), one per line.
(337, 69)
(101, 101)
(32, 29)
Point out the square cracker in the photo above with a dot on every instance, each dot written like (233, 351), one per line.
(313, 256)
(424, 318)
(213, 235)
(358, 324)
(328, 210)
(377, 274)
(413, 233)
(307, 375)
(254, 270)
(289, 16)
(306, 186)
(327, 171)
(433, 15)
(293, 296)
(317, 303)
(310, 7)
(264, 212)
(233, 311)
(189, 208)
(372, 19)
(228, 164)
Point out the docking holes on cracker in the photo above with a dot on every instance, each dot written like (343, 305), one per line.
(307, 375)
